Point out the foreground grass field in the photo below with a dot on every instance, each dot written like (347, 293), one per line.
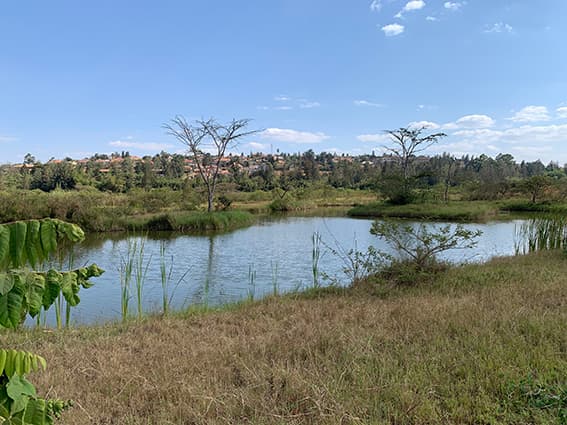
(483, 344)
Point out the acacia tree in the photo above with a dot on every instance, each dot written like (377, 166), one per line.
(406, 144)
(208, 141)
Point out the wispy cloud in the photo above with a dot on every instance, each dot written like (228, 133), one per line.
(363, 102)
(282, 98)
(373, 138)
(376, 6)
(144, 146)
(531, 114)
(429, 125)
(293, 136)
(498, 27)
(309, 105)
(431, 19)
(475, 121)
(7, 139)
(283, 108)
(393, 29)
(454, 5)
(561, 112)
(257, 146)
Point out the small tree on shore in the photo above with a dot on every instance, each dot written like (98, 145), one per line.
(406, 144)
(208, 141)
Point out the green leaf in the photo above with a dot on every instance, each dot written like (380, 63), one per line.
(70, 288)
(36, 413)
(52, 289)
(35, 287)
(11, 308)
(6, 283)
(18, 232)
(19, 389)
(4, 244)
(48, 236)
(33, 242)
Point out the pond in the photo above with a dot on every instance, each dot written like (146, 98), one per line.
(224, 268)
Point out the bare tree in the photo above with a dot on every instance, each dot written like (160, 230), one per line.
(208, 136)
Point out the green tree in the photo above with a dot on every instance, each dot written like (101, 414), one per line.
(406, 143)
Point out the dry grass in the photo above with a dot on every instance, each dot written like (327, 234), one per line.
(451, 353)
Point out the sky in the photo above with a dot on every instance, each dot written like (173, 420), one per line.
(99, 76)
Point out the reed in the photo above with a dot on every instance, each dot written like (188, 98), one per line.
(544, 233)
(165, 275)
(251, 282)
(316, 254)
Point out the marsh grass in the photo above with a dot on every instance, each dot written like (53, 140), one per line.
(457, 351)
(542, 233)
(456, 211)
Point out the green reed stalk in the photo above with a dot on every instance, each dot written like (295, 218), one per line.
(126, 270)
(275, 288)
(141, 270)
(315, 256)
(542, 234)
(251, 283)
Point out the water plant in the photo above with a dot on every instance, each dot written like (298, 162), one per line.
(274, 274)
(316, 243)
(543, 233)
(251, 282)
(165, 275)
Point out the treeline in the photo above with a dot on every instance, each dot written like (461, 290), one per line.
(474, 177)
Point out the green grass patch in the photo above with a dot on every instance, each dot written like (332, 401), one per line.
(192, 221)
(457, 211)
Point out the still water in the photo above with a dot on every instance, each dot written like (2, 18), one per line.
(228, 267)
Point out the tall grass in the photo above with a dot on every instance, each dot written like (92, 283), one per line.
(540, 234)
(165, 275)
(316, 242)
(251, 282)
(275, 285)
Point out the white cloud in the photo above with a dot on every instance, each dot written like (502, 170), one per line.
(561, 112)
(475, 121)
(150, 146)
(283, 108)
(374, 138)
(531, 114)
(454, 5)
(282, 98)
(293, 136)
(431, 19)
(498, 28)
(424, 124)
(393, 29)
(258, 146)
(263, 108)
(528, 140)
(363, 102)
(309, 105)
(376, 5)
(414, 5)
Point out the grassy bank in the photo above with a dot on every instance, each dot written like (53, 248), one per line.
(483, 344)
(537, 207)
(457, 210)
(192, 221)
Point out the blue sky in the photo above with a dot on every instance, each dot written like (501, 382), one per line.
(79, 77)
